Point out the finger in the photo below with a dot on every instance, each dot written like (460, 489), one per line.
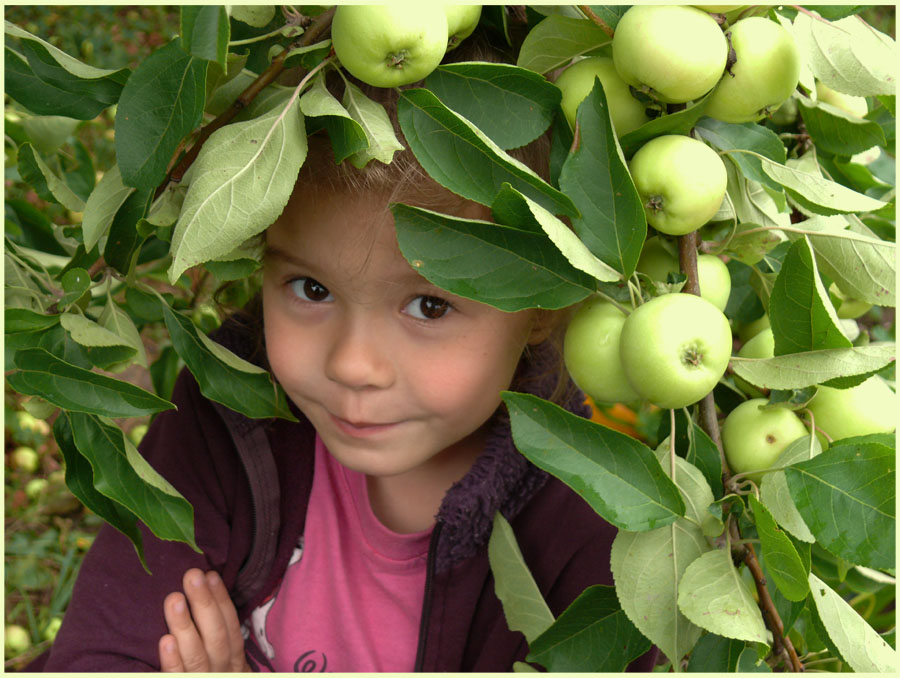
(209, 620)
(182, 628)
(169, 657)
(232, 623)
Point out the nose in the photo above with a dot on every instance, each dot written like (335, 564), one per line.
(359, 356)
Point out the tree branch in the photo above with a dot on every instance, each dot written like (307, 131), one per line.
(176, 174)
(590, 14)
(782, 646)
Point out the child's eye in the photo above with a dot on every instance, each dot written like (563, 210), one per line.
(428, 308)
(309, 289)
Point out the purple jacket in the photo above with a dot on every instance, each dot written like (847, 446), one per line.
(115, 618)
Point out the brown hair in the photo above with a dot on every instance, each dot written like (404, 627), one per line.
(404, 180)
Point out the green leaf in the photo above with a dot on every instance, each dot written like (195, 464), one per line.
(592, 634)
(257, 16)
(347, 136)
(713, 595)
(511, 105)
(376, 125)
(846, 496)
(117, 321)
(523, 604)
(123, 475)
(617, 475)
(223, 376)
(102, 205)
(715, 654)
(848, 55)
(242, 179)
(774, 492)
(74, 388)
(556, 39)
(80, 480)
(48, 132)
(124, 239)
(864, 267)
(695, 491)
(596, 178)
(751, 662)
(44, 181)
(23, 86)
(800, 311)
(858, 643)
(162, 102)
(834, 131)
(91, 334)
(647, 567)
(807, 368)
(680, 122)
(205, 31)
(782, 560)
(24, 320)
(733, 138)
(461, 158)
(506, 267)
(816, 193)
(575, 251)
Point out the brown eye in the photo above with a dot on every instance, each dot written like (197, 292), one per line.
(428, 308)
(310, 289)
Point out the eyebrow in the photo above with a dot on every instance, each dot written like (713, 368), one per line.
(409, 273)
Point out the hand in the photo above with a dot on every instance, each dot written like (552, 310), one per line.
(204, 632)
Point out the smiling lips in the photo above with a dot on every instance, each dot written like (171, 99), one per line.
(361, 429)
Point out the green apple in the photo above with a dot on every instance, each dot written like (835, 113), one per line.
(760, 346)
(35, 486)
(855, 106)
(52, 629)
(712, 274)
(461, 22)
(674, 348)
(16, 640)
(870, 407)
(577, 81)
(390, 45)
(747, 331)
(753, 438)
(591, 352)
(674, 52)
(714, 280)
(847, 307)
(786, 114)
(28, 422)
(136, 434)
(681, 182)
(765, 73)
(25, 458)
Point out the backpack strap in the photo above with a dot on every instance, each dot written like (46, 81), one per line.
(253, 447)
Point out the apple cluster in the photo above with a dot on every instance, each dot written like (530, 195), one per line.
(397, 44)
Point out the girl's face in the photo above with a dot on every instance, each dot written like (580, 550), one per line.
(396, 375)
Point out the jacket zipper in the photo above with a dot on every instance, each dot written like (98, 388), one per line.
(426, 602)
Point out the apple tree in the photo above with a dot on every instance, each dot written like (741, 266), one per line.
(721, 204)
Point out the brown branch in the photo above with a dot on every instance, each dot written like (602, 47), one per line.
(590, 14)
(318, 26)
(782, 646)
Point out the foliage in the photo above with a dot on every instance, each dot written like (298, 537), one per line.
(110, 252)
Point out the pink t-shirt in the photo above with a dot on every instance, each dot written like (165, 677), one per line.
(351, 598)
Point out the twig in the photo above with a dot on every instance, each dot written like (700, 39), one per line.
(321, 23)
(687, 256)
(590, 14)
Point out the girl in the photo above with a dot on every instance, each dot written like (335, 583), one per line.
(387, 485)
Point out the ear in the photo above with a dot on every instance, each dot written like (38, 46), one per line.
(545, 323)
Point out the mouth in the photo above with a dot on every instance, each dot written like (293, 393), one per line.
(361, 429)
